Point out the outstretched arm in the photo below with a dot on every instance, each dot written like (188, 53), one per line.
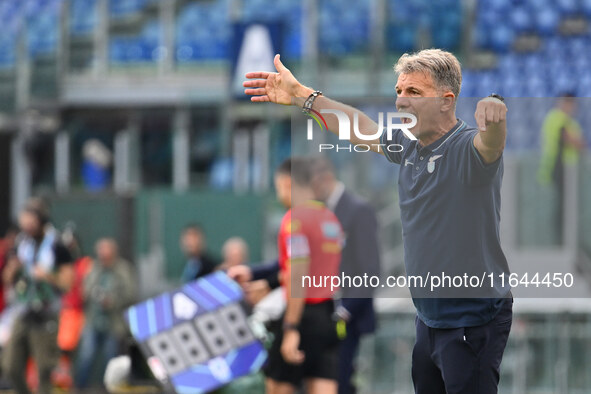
(283, 88)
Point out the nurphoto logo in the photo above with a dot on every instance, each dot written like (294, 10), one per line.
(402, 121)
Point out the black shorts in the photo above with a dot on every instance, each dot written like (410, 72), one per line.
(318, 341)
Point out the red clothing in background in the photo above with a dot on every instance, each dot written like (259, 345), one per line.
(311, 231)
(4, 249)
(71, 320)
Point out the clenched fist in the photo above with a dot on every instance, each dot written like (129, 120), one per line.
(490, 111)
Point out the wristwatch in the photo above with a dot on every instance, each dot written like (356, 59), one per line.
(290, 326)
(497, 96)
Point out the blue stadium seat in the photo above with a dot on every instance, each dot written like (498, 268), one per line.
(546, 20)
(578, 46)
(401, 37)
(42, 24)
(123, 8)
(446, 23)
(140, 49)
(491, 82)
(544, 73)
(203, 31)
(564, 81)
(510, 63)
(287, 12)
(468, 82)
(345, 29)
(521, 19)
(150, 41)
(501, 37)
(8, 39)
(406, 17)
(490, 16)
(117, 50)
(480, 36)
(512, 85)
(82, 16)
(556, 47)
(497, 23)
(533, 63)
(501, 5)
(536, 87)
(584, 87)
(582, 66)
(537, 5)
(410, 11)
(567, 7)
(447, 36)
(484, 82)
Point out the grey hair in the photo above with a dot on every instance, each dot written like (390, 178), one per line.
(238, 242)
(443, 67)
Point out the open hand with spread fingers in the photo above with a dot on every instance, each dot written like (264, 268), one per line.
(280, 87)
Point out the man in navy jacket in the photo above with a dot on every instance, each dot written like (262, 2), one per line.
(360, 256)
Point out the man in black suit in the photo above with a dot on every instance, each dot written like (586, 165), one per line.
(360, 256)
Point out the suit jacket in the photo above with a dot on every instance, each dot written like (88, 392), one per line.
(360, 256)
(196, 267)
(268, 271)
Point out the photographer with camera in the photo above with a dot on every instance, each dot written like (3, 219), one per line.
(108, 289)
(39, 271)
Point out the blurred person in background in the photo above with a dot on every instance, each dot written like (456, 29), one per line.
(258, 282)
(7, 243)
(562, 144)
(71, 319)
(360, 256)
(108, 289)
(234, 252)
(193, 244)
(41, 270)
(305, 348)
(96, 165)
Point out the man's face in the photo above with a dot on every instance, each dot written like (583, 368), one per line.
(106, 252)
(29, 223)
(418, 95)
(234, 254)
(569, 105)
(192, 242)
(322, 183)
(283, 189)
